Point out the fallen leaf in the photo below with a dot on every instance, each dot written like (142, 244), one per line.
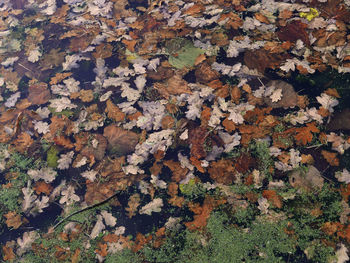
(330, 157)
(13, 220)
(42, 187)
(113, 112)
(39, 93)
(304, 134)
(9, 255)
(120, 141)
(133, 204)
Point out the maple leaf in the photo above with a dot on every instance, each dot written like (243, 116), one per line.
(304, 134)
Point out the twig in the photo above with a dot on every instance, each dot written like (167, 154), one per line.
(84, 209)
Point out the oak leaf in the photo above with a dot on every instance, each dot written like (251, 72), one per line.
(113, 111)
(222, 171)
(330, 157)
(13, 220)
(23, 142)
(133, 204)
(42, 187)
(8, 254)
(304, 134)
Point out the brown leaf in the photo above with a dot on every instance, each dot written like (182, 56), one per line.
(39, 93)
(120, 141)
(133, 204)
(98, 151)
(293, 31)
(175, 200)
(273, 197)
(262, 59)
(42, 187)
(304, 134)
(13, 220)
(204, 73)
(113, 112)
(179, 173)
(331, 157)
(102, 251)
(176, 85)
(197, 137)
(23, 142)
(236, 94)
(103, 51)
(8, 254)
(222, 171)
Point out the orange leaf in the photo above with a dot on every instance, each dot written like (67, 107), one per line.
(229, 125)
(205, 115)
(140, 241)
(59, 77)
(262, 18)
(236, 94)
(331, 157)
(179, 173)
(102, 251)
(42, 187)
(304, 134)
(8, 253)
(23, 142)
(332, 92)
(197, 164)
(75, 257)
(130, 44)
(273, 197)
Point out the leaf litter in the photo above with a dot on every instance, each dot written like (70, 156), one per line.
(193, 109)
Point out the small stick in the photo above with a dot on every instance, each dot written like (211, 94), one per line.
(84, 209)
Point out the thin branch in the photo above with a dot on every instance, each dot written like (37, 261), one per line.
(85, 209)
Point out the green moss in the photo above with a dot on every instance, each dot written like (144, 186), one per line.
(124, 256)
(52, 157)
(67, 113)
(260, 149)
